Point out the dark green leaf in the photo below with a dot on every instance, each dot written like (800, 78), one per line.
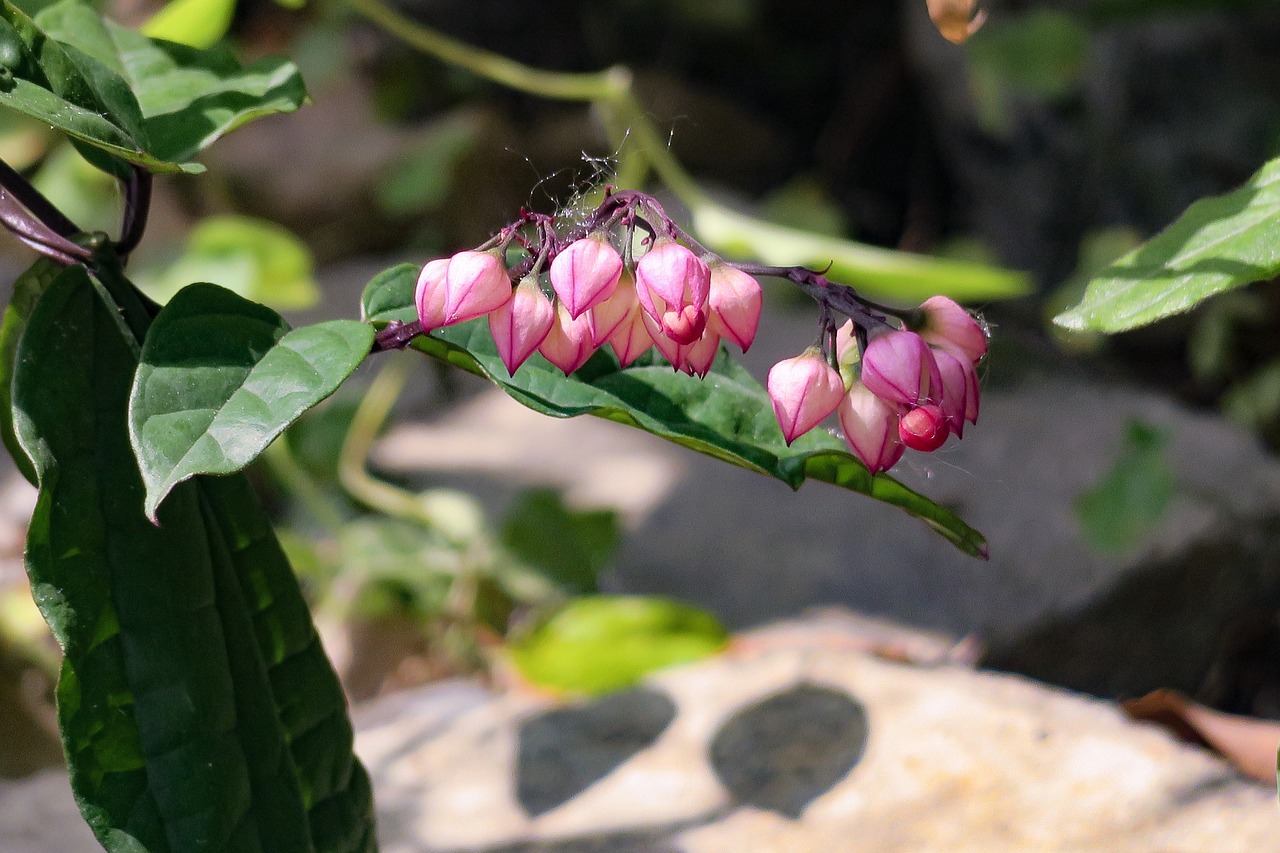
(1219, 243)
(197, 709)
(569, 546)
(728, 415)
(1132, 498)
(27, 291)
(155, 104)
(221, 377)
(603, 643)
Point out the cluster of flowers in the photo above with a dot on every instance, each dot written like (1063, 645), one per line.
(903, 388)
(893, 387)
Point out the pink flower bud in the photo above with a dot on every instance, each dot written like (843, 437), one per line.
(585, 273)
(670, 349)
(804, 390)
(870, 428)
(952, 395)
(673, 284)
(431, 293)
(631, 338)
(971, 395)
(623, 306)
(899, 368)
(946, 324)
(522, 324)
(734, 299)
(477, 283)
(923, 428)
(696, 358)
(568, 345)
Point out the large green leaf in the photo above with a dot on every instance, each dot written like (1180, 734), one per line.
(728, 415)
(27, 291)
(152, 103)
(197, 709)
(221, 377)
(1219, 243)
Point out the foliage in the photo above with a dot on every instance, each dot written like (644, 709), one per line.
(1218, 244)
(197, 707)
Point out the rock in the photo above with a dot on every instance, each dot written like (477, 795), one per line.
(796, 739)
(811, 745)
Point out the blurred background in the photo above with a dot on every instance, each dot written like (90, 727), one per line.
(1127, 485)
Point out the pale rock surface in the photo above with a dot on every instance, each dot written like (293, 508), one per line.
(928, 759)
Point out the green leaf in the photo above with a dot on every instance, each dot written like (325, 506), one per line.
(221, 377)
(196, 23)
(27, 291)
(197, 708)
(256, 259)
(728, 415)
(151, 103)
(572, 547)
(1219, 243)
(603, 643)
(876, 272)
(1131, 499)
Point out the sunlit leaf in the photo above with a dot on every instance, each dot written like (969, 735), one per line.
(196, 23)
(1219, 243)
(254, 258)
(221, 377)
(601, 643)
(876, 272)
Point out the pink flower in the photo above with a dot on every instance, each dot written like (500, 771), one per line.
(673, 284)
(476, 283)
(568, 344)
(431, 293)
(521, 324)
(585, 273)
(670, 349)
(631, 338)
(870, 428)
(622, 306)
(804, 390)
(734, 299)
(923, 428)
(952, 394)
(696, 358)
(946, 324)
(900, 369)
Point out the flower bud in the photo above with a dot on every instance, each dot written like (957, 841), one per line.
(521, 324)
(631, 338)
(923, 428)
(585, 273)
(568, 344)
(899, 368)
(672, 284)
(621, 306)
(946, 324)
(696, 358)
(870, 428)
(476, 284)
(804, 390)
(952, 395)
(431, 293)
(734, 300)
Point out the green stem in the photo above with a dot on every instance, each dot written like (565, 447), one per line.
(370, 415)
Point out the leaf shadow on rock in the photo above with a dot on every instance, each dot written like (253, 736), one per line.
(564, 751)
(786, 750)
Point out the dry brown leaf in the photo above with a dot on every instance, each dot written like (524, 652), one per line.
(956, 19)
(1247, 742)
